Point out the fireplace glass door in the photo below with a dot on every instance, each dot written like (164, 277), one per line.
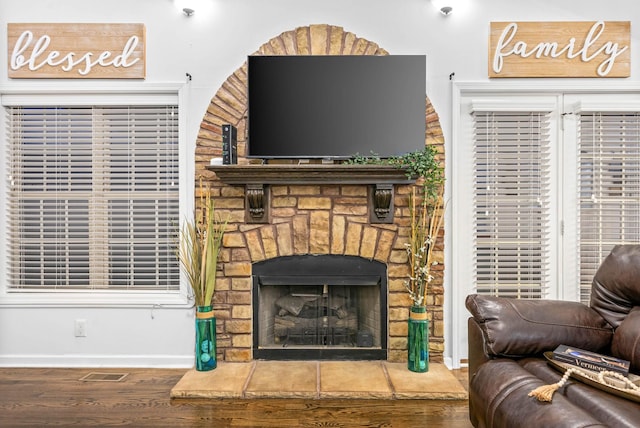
(319, 311)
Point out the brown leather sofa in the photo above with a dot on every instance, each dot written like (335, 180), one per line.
(507, 338)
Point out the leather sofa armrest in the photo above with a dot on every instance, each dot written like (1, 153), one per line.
(517, 328)
(477, 355)
(626, 340)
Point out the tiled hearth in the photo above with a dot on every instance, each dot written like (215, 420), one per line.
(320, 379)
(308, 211)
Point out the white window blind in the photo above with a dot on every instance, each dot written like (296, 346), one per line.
(609, 188)
(93, 197)
(512, 161)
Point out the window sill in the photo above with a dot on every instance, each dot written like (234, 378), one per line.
(92, 299)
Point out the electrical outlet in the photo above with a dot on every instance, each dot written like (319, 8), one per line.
(81, 328)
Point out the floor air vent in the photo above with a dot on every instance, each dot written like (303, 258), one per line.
(103, 377)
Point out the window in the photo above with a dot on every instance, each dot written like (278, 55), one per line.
(543, 183)
(608, 187)
(512, 157)
(93, 196)
(553, 182)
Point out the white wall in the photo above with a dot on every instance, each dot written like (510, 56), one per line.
(210, 46)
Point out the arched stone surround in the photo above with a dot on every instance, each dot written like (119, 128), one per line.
(306, 219)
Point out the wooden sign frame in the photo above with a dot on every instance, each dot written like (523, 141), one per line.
(76, 51)
(560, 49)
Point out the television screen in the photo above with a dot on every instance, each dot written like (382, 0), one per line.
(335, 106)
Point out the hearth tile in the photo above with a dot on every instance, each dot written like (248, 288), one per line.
(438, 383)
(353, 379)
(226, 381)
(283, 379)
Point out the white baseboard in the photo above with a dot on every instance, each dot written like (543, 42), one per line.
(448, 361)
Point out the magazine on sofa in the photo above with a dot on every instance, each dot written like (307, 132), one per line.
(590, 360)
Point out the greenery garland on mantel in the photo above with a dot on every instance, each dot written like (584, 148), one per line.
(422, 165)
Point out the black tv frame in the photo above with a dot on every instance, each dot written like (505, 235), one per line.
(360, 105)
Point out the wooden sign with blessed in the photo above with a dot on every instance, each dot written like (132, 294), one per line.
(76, 51)
(560, 49)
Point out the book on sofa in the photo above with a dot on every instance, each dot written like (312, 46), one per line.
(590, 360)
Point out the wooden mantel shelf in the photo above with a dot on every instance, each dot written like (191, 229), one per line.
(257, 178)
(309, 174)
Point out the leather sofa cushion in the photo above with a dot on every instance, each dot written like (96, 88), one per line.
(519, 328)
(609, 409)
(499, 398)
(626, 340)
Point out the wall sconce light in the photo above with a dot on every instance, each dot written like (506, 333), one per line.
(444, 6)
(187, 7)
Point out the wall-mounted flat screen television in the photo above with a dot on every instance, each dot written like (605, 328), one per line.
(335, 106)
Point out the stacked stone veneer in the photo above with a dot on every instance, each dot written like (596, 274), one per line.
(306, 219)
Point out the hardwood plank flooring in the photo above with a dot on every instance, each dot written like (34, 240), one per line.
(56, 397)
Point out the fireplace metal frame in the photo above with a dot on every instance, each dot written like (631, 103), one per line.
(318, 269)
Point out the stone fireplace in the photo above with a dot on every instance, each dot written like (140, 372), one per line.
(316, 212)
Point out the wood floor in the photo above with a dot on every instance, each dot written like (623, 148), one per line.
(56, 397)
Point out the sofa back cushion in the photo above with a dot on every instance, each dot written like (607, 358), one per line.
(519, 328)
(615, 290)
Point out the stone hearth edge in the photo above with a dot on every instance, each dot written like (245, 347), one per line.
(320, 379)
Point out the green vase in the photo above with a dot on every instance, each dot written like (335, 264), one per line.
(418, 340)
(205, 339)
